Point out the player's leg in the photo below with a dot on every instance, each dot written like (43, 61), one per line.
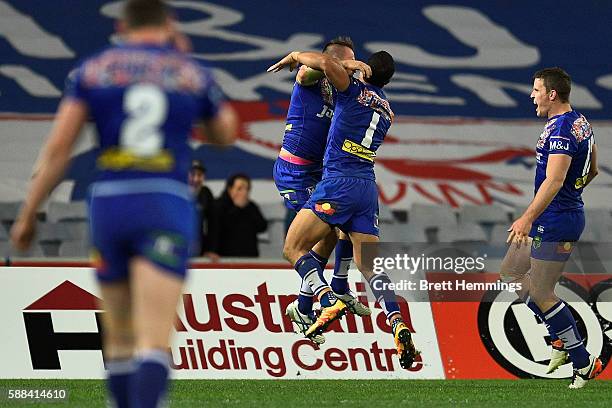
(118, 339)
(545, 275)
(155, 294)
(386, 297)
(515, 268)
(339, 283)
(305, 231)
(320, 253)
(111, 264)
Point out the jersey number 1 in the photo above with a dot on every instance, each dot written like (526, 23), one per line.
(369, 134)
(146, 108)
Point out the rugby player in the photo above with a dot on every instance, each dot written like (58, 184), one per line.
(298, 169)
(543, 237)
(143, 96)
(347, 195)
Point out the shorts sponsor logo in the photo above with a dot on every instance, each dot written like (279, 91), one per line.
(564, 248)
(537, 242)
(325, 208)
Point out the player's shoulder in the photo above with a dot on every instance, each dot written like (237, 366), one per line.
(576, 125)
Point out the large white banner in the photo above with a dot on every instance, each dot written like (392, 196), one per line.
(230, 324)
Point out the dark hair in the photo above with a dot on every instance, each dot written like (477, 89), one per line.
(344, 41)
(557, 79)
(383, 68)
(145, 13)
(229, 183)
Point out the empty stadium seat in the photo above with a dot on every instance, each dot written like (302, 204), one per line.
(74, 249)
(463, 232)
(397, 232)
(384, 214)
(499, 234)
(72, 211)
(9, 211)
(270, 251)
(427, 215)
(484, 214)
(274, 211)
(4, 236)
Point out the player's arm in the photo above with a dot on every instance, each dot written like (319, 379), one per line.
(333, 69)
(50, 168)
(307, 76)
(556, 170)
(222, 128)
(593, 170)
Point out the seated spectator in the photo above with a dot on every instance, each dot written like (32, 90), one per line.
(237, 220)
(204, 202)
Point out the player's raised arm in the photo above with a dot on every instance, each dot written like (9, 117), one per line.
(50, 168)
(333, 69)
(307, 76)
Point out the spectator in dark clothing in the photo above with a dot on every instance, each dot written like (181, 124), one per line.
(237, 220)
(204, 202)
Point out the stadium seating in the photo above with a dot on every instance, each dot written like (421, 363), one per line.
(72, 211)
(426, 215)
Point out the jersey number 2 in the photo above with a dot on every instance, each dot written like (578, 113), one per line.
(146, 108)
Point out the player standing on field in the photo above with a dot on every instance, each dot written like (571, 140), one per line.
(347, 196)
(543, 237)
(143, 96)
(299, 168)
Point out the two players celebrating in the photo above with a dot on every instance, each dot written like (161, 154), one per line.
(334, 187)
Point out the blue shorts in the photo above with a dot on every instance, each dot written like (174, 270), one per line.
(295, 183)
(554, 234)
(348, 203)
(157, 226)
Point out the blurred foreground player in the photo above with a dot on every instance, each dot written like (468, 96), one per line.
(143, 96)
(543, 237)
(299, 168)
(347, 195)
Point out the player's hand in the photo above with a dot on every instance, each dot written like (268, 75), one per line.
(290, 61)
(519, 231)
(355, 65)
(22, 232)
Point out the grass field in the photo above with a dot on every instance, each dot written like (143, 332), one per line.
(343, 393)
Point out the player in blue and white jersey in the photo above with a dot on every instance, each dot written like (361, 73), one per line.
(143, 97)
(299, 168)
(347, 196)
(543, 237)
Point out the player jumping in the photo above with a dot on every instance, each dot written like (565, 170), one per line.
(143, 96)
(347, 196)
(298, 169)
(543, 237)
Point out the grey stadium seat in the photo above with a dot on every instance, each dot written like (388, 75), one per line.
(407, 233)
(74, 249)
(9, 211)
(484, 214)
(463, 232)
(427, 215)
(273, 211)
(72, 211)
